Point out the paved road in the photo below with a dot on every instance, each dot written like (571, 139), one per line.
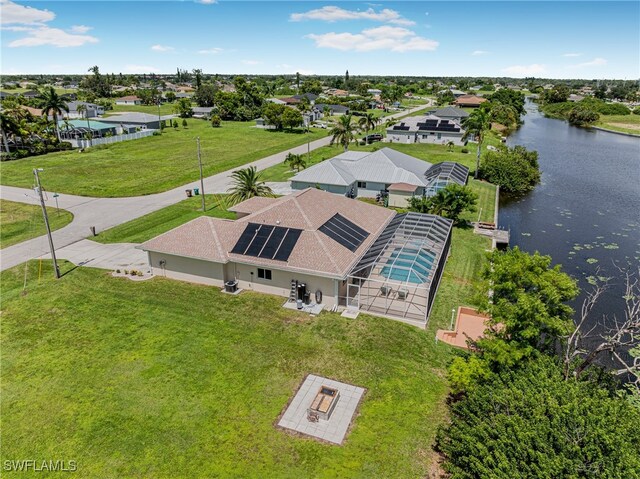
(105, 213)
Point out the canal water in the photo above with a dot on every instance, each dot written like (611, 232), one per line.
(585, 213)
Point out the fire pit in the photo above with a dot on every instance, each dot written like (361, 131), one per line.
(323, 404)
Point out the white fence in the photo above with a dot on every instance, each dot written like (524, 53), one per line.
(107, 140)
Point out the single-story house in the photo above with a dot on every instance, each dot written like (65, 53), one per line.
(374, 91)
(312, 246)
(77, 129)
(369, 174)
(290, 100)
(277, 101)
(128, 100)
(575, 98)
(37, 112)
(469, 101)
(138, 120)
(31, 94)
(336, 110)
(92, 110)
(264, 124)
(426, 129)
(312, 97)
(202, 112)
(4, 94)
(450, 113)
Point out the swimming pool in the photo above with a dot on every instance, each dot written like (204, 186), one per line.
(412, 265)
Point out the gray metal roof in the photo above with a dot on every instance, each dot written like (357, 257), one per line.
(450, 112)
(135, 118)
(383, 166)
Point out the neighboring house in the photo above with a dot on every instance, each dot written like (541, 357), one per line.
(339, 92)
(92, 110)
(291, 100)
(142, 121)
(31, 94)
(575, 98)
(457, 93)
(77, 129)
(202, 112)
(426, 129)
(128, 100)
(312, 97)
(336, 110)
(263, 124)
(469, 101)
(37, 112)
(277, 101)
(314, 247)
(4, 94)
(450, 113)
(374, 91)
(364, 174)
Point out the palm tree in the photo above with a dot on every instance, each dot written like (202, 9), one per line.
(344, 132)
(247, 183)
(476, 125)
(368, 122)
(8, 126)
(296, 161)
(82, 109)
(53, 104)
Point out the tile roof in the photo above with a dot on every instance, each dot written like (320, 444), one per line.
(383, 166)
(128, 98)
(470, 100)
(212, 239)
(402, 187)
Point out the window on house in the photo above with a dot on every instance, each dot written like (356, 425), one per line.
(362, 184)
(264, 273)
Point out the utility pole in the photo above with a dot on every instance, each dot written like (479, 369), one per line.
(201, 178)
(46, 222)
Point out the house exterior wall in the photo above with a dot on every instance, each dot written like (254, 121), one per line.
(440, 138)
(371, 190)
(399, 199)
(187, 269)
(400, 137)
(338, 189)
(127, 102)
(280, 282)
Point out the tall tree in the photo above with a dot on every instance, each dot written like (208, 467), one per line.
(344, 132)
(82, 109)
(346, 80)
(53, 104)
(298, 82)
(477, 124)
(368, 122)
(247, 183)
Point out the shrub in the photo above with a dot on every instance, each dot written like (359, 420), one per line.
(465, 150)
(118, 271)
(175, 123)
(184, 123)
(636, 111)
(156, 133)
(216, 121)
(582, 116)
(515, 169)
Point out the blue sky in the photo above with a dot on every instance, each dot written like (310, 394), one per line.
(542, 39)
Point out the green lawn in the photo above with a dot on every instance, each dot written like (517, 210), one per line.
(20, 222)
(155, 163)
(621, 123)
(163, 379)
(151, 225)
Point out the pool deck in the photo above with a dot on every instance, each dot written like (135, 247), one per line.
(470, 325)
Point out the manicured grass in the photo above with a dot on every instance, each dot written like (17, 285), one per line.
(164, 379)
(151, 225)
(621, 123)
(155, 163)
(20, 222)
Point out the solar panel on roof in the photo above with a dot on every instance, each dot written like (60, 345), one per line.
(266, 241)
(287, 245)
(344, 232)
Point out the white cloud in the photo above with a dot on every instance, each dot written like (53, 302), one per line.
(140, 69)
(211, 51)
(252, 62)
(290, 70)
(14, 13)
(395, 39)
(43, 35)
(80, 29)
(477, 53)
(525, 70)
(569, 55)
(162, 48)
(334, 14)
(206, 2)
(596, 62)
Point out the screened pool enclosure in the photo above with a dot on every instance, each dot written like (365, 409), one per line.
(399, 275)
